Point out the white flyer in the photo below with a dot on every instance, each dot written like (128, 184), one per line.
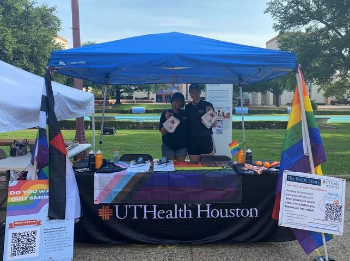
(312, 202)
(139, 166)
(163, 166)
(171, 124)
(209, 118)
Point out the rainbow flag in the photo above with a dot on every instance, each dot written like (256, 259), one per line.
(53, 162)
(234, 146)
(295, 157)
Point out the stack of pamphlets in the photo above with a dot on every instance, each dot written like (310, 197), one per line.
(139, 166)
(159, 165)
(209, 118)
(71, 144)
(171, 124)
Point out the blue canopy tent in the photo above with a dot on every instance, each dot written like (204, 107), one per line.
(180, 58)
(172, 58)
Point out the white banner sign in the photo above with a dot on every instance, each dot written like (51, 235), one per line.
(220, 95)
(312, 202)
(29, 234)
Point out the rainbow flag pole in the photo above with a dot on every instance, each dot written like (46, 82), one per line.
(303, 151)
(234, 146)
(301, 86)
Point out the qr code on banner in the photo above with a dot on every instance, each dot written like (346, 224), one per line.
(23, 243)
(333, 212)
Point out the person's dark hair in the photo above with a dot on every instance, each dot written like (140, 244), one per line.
(178, 95)
(194, 86)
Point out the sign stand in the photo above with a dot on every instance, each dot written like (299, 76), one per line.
(313, 203)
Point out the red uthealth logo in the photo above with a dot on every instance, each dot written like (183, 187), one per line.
(105, 212)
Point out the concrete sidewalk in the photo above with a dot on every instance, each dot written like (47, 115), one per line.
(288, 251)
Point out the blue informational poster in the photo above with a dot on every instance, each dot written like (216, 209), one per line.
(29, 234)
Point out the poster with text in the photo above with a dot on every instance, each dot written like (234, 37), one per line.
(29, 234)
(312, 202)
(220, 95)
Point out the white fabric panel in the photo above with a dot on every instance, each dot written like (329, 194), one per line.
(20, 98)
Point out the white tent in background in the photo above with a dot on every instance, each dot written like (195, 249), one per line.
(20, 99)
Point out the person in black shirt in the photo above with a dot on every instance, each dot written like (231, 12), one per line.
(174, 144)
(200, 137)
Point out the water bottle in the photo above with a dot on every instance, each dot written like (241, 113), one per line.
(240, 157)
(98, 159)
(248, 157)
(91, 161)
(116, 155)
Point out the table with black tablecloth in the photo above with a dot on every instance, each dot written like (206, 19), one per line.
(190, 207)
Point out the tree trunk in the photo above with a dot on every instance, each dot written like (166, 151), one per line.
(117, 96)
(276, 96)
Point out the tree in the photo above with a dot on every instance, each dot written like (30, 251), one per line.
(319, 32)
(119, 89)
(27, 34)
(148, 88)
(275, 86)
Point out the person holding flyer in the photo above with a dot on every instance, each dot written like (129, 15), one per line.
(200, 133)
(173, 126)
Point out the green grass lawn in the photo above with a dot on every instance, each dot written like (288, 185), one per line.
(265, 144)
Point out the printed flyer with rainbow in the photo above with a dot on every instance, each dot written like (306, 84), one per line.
(29, 234)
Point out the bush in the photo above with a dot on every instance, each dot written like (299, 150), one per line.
(314, 105)
(130, 125)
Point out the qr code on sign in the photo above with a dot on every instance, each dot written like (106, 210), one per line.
(23, 243)
(333, 212)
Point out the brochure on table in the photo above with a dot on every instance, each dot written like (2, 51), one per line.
(312, 202)
(167, 165)
(139, 166)
(29, 234)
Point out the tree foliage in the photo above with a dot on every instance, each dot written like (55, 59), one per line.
(275, 86)
(27, 34)
(319, 32)
(149, 88)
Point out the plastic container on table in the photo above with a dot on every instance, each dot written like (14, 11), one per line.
(91, 161)
(98, 159)
(248, 157)
(240, 156)
(116, 155)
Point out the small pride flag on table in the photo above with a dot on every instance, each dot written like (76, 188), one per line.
(234, 146)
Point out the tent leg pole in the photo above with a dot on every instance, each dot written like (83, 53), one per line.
(243, 129)
(93, 133)
(103, 116)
